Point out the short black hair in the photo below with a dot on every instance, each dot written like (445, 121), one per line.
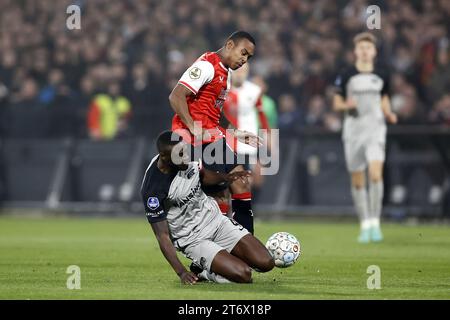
(238, 35)
(167, 138)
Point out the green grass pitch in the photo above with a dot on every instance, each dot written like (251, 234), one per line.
(120, 259)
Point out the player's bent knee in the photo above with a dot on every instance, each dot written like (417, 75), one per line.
(358, 186)
(246, 275)
(266, 264)
(357, 179)
(375, 177)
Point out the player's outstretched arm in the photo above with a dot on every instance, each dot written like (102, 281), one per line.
(243, 136)
(177, 100)
(161, 231)
(211, 178)
(390, 116)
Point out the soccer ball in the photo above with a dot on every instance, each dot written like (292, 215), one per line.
(284, 248)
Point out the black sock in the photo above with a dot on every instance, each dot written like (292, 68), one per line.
(242, 213)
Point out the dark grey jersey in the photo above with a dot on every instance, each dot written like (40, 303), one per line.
(366, 88)
(179, 199)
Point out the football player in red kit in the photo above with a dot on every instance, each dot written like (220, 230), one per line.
(244, 109)
(198, 100)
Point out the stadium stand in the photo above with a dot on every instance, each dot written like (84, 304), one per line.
(49, 75)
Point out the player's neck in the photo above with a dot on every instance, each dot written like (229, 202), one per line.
(362, 66)
(222, 57)
(166, 169)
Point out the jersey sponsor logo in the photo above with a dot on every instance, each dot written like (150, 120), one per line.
(153, 203)
(365, 92)
(223, 94)
(194, 192)
(195, 73)
(219, 104)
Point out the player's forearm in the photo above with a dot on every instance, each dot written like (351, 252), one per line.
(179, 105)
(339, 104)
(170, 254)
(161, 231)
(386, 106)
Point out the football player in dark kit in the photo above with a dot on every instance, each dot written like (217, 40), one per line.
(183, 217)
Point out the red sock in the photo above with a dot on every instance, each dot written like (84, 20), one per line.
(242, 196)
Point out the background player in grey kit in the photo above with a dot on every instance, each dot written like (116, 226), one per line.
(183, 217)
(363, 95)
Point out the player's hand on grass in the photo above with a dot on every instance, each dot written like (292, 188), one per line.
(188, 277)
(391, 118)
(248, 138)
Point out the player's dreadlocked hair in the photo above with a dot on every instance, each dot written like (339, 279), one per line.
(167, 138)
(238, 35)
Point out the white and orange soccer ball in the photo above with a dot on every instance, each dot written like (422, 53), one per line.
(284, 248)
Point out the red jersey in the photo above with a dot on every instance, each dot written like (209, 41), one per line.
(209, 80)
(244, 110)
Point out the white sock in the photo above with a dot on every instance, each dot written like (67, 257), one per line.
(375, 202)
(361, 206)
(211, 276)
(374, 222)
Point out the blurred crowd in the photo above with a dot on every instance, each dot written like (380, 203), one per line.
(136, 50)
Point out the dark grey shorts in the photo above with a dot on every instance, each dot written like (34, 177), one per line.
(203, 250)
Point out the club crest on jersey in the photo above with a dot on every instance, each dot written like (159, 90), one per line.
(338, 81)
(153, 203)
(195, 73)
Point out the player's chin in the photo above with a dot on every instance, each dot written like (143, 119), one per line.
(236, 66)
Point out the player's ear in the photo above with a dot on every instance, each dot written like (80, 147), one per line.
(230, 44)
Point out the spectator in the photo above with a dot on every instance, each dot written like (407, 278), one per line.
(440, 79)
(56, 91)
(407, 106)
(145, 45)
(109, 114)
(316, 111)
(269, 105)
(440, 114)
(289, 113)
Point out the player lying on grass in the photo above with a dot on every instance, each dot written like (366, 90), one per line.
(183, 217)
